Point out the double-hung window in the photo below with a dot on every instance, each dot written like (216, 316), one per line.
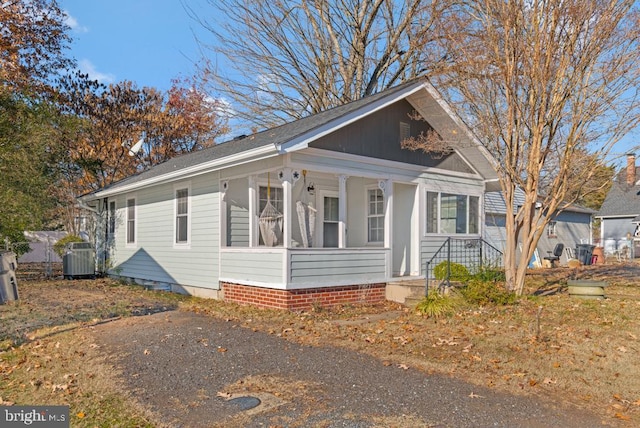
(182, 216)
(111, 229)
(131, 221)
(375, 215)
(450, 214)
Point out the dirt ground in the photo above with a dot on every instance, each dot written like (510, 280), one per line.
(79, 342)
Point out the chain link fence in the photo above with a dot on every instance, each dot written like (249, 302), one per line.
(35, 259)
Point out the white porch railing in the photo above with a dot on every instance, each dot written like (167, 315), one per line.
(296, 268)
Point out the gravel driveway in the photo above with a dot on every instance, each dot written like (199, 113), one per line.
(191, 370)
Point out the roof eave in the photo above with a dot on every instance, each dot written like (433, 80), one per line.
(216, 164)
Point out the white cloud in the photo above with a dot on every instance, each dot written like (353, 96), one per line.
(73, 23)
(87, 67)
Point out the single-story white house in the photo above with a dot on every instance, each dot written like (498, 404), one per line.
(323, 210)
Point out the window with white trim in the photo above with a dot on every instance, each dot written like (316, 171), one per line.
(131, 221)
(450, 214)
(182, 216)
(375, 215)
(276, 196)
(111, 229)
(551, 230)
(330, 222)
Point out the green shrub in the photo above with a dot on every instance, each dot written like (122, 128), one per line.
(58, 247)
(488, 274)
(459, 272)
(486, 292)
(436, 305)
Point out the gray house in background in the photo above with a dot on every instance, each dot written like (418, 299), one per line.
(325, 209)
(620, 212)
(571, 226)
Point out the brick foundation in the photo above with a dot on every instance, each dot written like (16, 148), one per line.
(295, 300)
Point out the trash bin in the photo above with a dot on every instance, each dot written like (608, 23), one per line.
(584, 253)
(8, 286)
(8, 281)
(8, 261)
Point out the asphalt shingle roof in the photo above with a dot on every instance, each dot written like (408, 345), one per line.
(621, 200)
(278, 135)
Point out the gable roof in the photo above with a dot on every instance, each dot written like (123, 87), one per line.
(622, 200)
(297, 135)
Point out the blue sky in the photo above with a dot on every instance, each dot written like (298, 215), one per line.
(148, 42)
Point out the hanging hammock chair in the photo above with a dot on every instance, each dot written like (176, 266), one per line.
(306, 215)
(270, 221)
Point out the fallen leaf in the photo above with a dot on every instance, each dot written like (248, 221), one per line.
(223, 394)
(617, 397)
(221, 349)
(548, 381)
(147, 352)
(80, 415)
(622, 349)
(403, 366)
(533, 382)
(473, 395)
(622, 416)
(384, 363)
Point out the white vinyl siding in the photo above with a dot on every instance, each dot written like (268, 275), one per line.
(155, 256)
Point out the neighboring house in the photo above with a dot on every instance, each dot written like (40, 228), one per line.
(620, 212)
(571, 226)
(357, 211)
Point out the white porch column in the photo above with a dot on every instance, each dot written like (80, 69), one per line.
(253, 214)
(342, 211)
(224, 186)
(387, 190)
(286, 178)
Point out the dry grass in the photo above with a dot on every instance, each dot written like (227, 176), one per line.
(547, 344)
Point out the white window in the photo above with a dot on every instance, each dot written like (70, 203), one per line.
(330, 222)
(275, 195)
(111, 228)
(131, 221)
(551, 230)
(451, 214)
(182, 216)
(375, 215)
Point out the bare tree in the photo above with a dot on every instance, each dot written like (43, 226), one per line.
(542, 82)
(290, 58)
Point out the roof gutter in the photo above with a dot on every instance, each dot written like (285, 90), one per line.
(239, 158)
